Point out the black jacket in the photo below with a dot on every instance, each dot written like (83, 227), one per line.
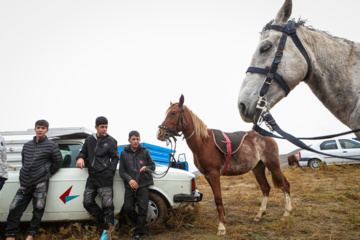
(131, 163)
(39, 161)
(101, 155)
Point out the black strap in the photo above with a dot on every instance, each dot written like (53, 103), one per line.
(276, 76)
(290, 29)
(269, 134)
(301, 48)
(271, 121)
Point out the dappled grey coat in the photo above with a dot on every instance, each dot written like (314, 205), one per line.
(3, 166)
(39, 161)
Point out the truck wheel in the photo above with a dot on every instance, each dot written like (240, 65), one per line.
(157, 210)
(314, 163)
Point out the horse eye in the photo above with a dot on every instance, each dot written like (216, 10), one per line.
(265, 47)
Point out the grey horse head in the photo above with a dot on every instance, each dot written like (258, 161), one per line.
(292, 69)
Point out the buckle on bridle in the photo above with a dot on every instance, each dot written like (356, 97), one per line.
(261, 104)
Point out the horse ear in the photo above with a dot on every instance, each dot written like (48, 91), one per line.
(181, 101)
(170, 103)
(284, 13)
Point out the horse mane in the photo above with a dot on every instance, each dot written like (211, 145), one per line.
(301, 23)
(199, 126)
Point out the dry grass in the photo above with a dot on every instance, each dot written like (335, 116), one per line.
(326, 205)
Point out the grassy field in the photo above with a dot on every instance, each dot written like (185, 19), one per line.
(326, 205)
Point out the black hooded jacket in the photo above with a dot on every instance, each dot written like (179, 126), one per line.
(130, 164)
(101, 155)
(39, 161)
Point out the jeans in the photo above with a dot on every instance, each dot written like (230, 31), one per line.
(19, 204)
(141, 198)
(103, 187)
(2, 182)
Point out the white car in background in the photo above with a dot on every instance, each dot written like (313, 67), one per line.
(66, 187)
(338, 147)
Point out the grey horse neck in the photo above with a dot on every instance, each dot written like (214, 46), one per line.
(335, 79)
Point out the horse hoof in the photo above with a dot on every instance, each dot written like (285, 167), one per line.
(256, 219)
(221, 232)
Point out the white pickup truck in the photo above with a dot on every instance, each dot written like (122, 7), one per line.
(65, 195)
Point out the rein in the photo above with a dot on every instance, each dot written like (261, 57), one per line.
(288, 30)
(171, 159)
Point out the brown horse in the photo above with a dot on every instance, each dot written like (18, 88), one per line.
(256, 153)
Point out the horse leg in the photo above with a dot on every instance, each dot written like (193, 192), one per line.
(286, 191)
(259, 172)
(214, 182)
(280, 181)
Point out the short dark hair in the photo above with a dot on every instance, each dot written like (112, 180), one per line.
(42, 122)
(134, 133)
(101, 120)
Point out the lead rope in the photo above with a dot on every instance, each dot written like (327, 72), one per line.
(171, 159)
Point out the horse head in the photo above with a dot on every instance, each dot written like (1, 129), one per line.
(174, 121)
(271, 50)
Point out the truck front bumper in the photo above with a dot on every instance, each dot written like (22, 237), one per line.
(195, 197)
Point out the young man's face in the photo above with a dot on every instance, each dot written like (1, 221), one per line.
(101, 130)
(134, 142)
(41, 131)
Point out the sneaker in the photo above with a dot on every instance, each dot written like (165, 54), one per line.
(115, 222)
(136, 237)
(105, 236)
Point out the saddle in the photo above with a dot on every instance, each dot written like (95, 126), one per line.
(228, 143)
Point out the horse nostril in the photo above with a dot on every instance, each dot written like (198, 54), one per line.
(242, 108)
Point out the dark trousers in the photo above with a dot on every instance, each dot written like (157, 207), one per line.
(104, 187)
(19, 204)
(140, 197)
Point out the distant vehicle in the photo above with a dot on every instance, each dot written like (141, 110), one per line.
(65, 195)
(161, 156)
(338, 147)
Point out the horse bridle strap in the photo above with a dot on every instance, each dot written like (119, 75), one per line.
(270, 121)
(180, 121)
(288, 30)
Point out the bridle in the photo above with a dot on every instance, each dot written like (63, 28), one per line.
(171, 132)
(288, 30)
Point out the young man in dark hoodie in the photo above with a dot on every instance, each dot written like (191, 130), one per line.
(41, 158)
(101, 156)
(134, 162)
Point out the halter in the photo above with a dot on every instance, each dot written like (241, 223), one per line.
(171, 132)
(288, 30)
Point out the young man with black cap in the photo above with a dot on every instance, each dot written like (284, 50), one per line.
(41, 158)
(101, 156)
(134, 162)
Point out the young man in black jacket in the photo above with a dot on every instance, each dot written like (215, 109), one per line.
(41, 158)
(134, 162)
(101, 156)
